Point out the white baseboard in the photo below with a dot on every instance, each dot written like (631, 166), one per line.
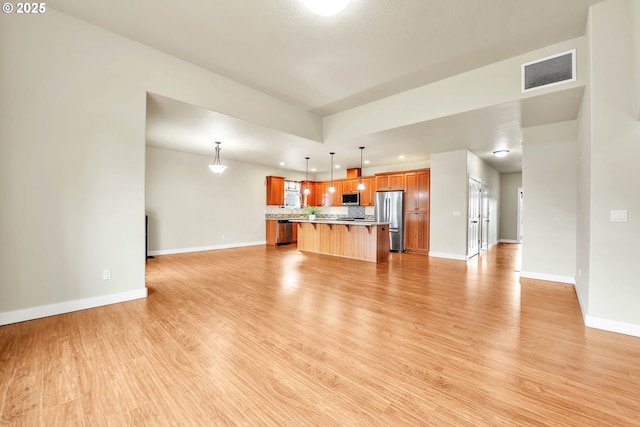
(448, 256)
(548, 277)
(205, 248)
(31, 313)
(508, 241)
(612, 326)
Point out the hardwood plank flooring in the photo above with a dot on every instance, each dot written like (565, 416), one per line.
(273, 336)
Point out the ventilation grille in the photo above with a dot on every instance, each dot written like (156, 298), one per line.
(550, 71)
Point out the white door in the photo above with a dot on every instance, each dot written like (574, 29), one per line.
(473, 237)
(485, 219)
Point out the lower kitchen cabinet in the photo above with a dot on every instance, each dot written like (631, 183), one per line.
(272, 232)
(416, 231)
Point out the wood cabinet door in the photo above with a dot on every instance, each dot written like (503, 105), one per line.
(322, 194)
(396, 181)
(275, 190)
(423, 185)
(416, 231)
(410, 191)
(336, 196)
(308, 199)
(382, 182)
(272, 231)
(350, 185)
(417, 191)
(366, 195)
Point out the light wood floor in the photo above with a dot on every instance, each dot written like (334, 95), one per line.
(270, 336)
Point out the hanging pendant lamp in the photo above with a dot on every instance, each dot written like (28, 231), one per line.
(361, 185)
(306, 182)
(332, 189)
(216, 166)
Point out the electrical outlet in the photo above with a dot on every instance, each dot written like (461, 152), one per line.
(106, 275)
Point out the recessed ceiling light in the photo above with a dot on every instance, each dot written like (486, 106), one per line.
(366, 162)
(281, 163)
(337, 166)
(401, 156)
(500, 153)
(313, 169)
(326, 7)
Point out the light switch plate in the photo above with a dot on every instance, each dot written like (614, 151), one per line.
(618, 216)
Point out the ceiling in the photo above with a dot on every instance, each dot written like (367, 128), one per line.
(324, 65)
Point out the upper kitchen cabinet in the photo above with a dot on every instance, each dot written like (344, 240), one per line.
(336, 197)
(328, 198)
(350, 185)
(417, 190)
(367, 195)
(309, 199)
(275, 190)
(391, 181)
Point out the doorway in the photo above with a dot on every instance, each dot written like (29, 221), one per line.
(473, 234)
(484, 219)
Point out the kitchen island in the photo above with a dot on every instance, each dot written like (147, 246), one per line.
(363, 240)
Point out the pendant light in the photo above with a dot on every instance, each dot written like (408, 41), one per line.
(306, 182)
(361, 185)
(216, 166)
(332, 189)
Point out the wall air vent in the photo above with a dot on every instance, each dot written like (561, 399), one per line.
(549, 71)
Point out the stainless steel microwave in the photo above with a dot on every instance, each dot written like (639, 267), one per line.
(350, 199)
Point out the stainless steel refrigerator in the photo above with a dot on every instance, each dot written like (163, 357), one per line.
(389, 207)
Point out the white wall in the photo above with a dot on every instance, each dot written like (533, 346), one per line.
(483, 87)
(549, 181)
(72, 156)
(191, 208)
(449, 186)
(509, 185)
(583, 214)
(614, 287)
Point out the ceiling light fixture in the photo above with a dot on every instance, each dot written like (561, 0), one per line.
(500, 153)
(306, 182)
(332, 189)
(216, 166)
(361, 185)
(326, 7)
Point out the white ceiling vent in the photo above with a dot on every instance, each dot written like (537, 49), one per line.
(549, 71)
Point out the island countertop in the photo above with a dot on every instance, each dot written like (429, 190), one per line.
(363, 240)
(339, 221)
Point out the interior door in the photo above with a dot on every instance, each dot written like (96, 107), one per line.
(485, 219)
(473, 237)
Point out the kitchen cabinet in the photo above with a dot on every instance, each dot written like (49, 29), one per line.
(350, 185)
(394, 181)
(367, 195)
(275, 190)
(272, 232)
(417, 191)
(416, 214)
(335, 198)
(416, 231)
(309, 199)
(326, 197)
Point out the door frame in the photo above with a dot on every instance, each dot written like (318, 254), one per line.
(519, 206)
